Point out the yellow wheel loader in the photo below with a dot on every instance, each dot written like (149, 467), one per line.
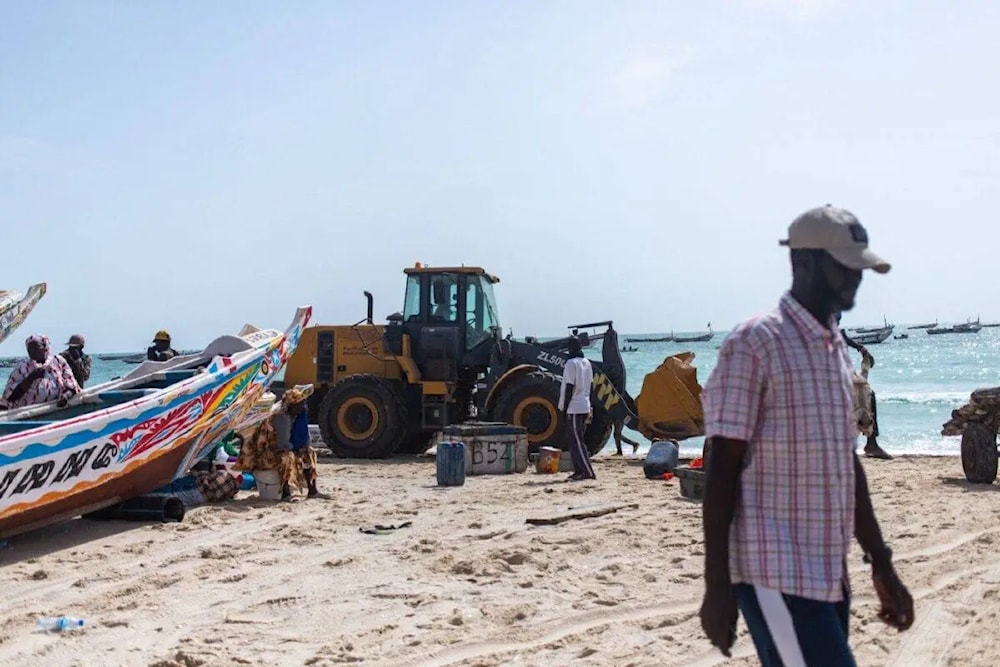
(382, 389)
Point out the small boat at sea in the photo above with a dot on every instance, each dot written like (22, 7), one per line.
(902, 336)
(873, 337)
(871, 330)
(126, 437)
(967, 328)
(15, 307)
(661, 339)
(932, 325)
(701, 338)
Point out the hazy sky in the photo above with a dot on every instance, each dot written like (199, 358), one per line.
(196, 166)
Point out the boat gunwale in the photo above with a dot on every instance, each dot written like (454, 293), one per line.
(195, 383)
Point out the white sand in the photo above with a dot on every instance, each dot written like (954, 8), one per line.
(470, 583)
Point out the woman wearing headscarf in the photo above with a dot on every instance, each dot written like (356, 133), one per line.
(282, 443)
(291, 427)
(40, 378)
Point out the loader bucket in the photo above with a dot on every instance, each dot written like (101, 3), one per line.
(669, 405)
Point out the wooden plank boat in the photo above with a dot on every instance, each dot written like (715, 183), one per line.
(126, 437)
(876, 330)
(967, 328)
(696, 339)
(872, 337)
(930, 325)
(15, 307)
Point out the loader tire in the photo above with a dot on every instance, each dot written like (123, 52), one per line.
(363, 417)
(531, 400)
(979, 453)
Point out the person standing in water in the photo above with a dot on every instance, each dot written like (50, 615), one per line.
(872, 448)
(574, 402)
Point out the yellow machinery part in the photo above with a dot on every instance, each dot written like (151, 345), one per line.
(502, 382)
(669, 404)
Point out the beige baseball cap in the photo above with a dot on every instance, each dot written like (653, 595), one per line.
(838, 232)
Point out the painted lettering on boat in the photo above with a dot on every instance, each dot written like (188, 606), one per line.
(35, 477)
(74, 465)
(103, 460)
(7, 480)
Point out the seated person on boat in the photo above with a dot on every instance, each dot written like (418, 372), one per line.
(160, 350)
(77, 359)
(40, 378)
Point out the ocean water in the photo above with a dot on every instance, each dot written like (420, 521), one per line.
(917, 382)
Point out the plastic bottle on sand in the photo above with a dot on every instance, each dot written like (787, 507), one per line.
(59, 623)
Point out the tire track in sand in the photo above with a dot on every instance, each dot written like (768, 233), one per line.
(581, 623)
(591, 620)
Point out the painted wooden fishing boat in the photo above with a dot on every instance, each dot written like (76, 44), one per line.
(967, 328)
(15, 307)
(696, 339)
(873, 337)
(126, 437)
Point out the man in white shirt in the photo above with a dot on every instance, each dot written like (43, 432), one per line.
(574, 401)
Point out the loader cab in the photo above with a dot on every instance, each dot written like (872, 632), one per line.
(450, 315)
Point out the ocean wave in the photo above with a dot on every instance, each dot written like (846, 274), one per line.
(949, 398)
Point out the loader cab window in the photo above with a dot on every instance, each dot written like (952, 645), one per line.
(480, 309)
(411, 303)
(444, 298)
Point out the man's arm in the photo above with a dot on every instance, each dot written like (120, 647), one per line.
(732, 400)
(896, 603)
(24, 386)
(568, 384)
(851, 344)
(722, 474)
(866, 528)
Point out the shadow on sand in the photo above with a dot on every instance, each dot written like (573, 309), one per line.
(968, 486)
(60, 537)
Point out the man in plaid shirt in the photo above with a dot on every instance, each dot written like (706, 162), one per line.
(785, 490)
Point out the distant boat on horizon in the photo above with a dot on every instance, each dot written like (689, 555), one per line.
(924, 326)
(885, 325)
(701, 338)
(967, 328)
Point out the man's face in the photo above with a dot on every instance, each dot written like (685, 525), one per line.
(295, 409)
(162, 344)
(836, 283)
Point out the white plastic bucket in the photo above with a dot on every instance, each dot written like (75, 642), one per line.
(268, 484)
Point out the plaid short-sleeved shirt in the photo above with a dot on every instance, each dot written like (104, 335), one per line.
(784, 385)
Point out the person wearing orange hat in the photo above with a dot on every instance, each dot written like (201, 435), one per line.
(160, 350)
(77, 360)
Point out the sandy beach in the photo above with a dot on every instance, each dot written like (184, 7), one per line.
(469, 582)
